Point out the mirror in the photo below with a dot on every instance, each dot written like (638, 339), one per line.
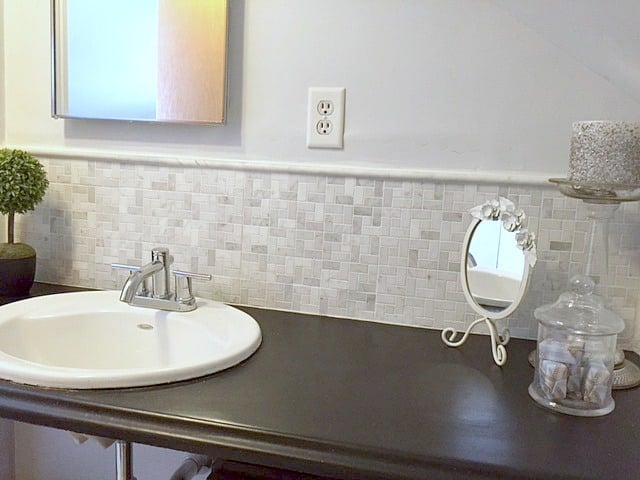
(494, 266)
(142, 60)
(497, 256)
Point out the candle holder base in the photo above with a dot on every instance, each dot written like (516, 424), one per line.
(626, 375)
(597, 193)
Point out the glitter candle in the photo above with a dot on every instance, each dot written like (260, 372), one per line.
(605, 153)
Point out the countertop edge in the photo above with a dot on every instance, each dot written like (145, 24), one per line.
(51, 408)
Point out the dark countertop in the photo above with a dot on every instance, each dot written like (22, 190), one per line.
(353, 399)
(39, 288)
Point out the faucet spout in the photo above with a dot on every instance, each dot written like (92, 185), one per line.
(156, 293)
(136, 278)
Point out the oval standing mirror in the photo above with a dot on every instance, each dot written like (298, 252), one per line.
(495, 267)
(142, 60)
(497, 255)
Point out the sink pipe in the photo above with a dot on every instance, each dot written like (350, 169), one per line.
(191, 466)
(124, 461)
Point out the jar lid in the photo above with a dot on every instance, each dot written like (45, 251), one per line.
(580, 310)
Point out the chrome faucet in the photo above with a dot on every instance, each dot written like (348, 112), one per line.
(149, 286)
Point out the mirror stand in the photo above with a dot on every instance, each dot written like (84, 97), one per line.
(497, 255)
(498, 341)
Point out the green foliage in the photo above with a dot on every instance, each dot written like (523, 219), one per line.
(14, 251)
(23, 181)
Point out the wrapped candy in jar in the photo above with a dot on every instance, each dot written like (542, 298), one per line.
(575, 355)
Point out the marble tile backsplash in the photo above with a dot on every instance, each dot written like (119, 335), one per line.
(371, 249)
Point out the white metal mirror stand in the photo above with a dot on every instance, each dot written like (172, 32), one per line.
(498, 341)
(502, 210)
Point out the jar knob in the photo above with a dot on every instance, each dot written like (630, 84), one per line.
(582, 285)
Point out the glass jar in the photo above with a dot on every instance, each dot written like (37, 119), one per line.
(575, 355)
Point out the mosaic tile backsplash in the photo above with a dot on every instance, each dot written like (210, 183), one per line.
(370, 249)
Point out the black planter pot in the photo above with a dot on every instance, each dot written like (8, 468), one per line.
(17, 269)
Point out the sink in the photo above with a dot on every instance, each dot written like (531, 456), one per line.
(87, 340)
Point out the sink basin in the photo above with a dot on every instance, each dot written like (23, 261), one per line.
(89, 340)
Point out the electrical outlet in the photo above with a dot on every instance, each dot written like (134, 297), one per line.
(324, 127)
(325, 122)
(325, 107)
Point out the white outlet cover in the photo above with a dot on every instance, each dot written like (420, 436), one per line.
(334, 138)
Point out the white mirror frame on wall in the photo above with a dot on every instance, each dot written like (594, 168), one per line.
(513, 220)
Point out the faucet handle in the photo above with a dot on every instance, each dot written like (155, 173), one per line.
(184, 292)
(144, 290)
(122, 266)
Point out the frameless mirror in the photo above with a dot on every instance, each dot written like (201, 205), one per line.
(142, 60)
(497, 256)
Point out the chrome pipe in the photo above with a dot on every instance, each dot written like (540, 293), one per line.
(124, 461)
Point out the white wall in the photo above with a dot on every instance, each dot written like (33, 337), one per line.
(51, 454)
(457, 84)
(7, 450)
(6, 426)
(3, 235)
(2, 69)
(603, 36)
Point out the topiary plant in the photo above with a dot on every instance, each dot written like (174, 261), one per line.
(23, 183)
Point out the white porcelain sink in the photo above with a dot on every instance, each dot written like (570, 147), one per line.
(90, 340)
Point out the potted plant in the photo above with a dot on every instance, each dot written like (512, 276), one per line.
(23, 183)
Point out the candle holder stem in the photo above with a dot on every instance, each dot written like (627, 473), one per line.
(625, 374)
